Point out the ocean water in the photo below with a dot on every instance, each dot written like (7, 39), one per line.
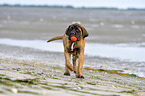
(116, 38)
(119, 51)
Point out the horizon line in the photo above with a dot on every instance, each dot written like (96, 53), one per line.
(68, 6)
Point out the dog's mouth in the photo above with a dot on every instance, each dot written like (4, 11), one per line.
(74, 36)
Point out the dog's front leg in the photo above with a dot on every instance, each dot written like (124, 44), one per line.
(67, 64)
(80, 65)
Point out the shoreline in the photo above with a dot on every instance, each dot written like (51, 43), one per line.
(91, 49)
(31, 77)
(30, 50)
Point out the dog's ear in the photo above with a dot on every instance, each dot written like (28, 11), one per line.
(67, 31)
(84, 32)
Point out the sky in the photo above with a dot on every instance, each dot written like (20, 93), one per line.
(82, 3)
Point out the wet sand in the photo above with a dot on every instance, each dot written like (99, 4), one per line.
(31, 77)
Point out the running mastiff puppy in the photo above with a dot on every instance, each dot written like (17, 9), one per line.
(74, 44)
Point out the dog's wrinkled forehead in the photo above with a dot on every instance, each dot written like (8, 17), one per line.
(74, 27)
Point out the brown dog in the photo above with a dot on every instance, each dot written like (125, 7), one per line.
(74, 48)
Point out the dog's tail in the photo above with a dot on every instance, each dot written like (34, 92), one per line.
(55, 38)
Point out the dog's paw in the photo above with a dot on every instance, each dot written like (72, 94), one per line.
(67, 74)
(80, 76)
(75, 72)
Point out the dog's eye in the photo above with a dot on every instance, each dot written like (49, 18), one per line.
(71, 28)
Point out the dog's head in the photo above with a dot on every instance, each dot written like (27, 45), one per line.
(77, 31)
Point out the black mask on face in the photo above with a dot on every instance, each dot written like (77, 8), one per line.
(74, 32)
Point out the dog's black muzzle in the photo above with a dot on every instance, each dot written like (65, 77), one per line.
(74, 33)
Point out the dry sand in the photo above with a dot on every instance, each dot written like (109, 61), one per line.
(23, 77)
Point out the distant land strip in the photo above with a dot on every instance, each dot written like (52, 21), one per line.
(68, 6)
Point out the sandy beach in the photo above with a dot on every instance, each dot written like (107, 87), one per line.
(30, 77)
(114, 52)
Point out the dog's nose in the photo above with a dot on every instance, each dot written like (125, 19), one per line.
(73, 32)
